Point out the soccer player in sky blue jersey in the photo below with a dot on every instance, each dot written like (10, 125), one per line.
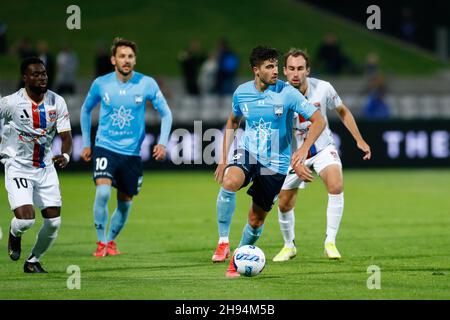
(264, 153)
(116, 156)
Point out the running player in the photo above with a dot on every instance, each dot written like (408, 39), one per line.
(32, 118)
(268, 106)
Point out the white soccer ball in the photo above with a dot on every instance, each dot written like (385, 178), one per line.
(249, 260)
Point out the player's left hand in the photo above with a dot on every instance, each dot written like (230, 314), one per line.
(60, 160)
(362, 145)
(159, 152)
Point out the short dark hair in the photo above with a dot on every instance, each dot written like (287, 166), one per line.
(296, 53)
(261, 54)
(27, 61)
(118, 42)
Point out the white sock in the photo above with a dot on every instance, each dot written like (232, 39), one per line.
(287, 226)
(334, 215)
(20, 226)
(45, 238)
(224, 239)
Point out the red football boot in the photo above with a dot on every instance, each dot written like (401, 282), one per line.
(222, 252)
(101, 250)
(231, 271)
(111, 249)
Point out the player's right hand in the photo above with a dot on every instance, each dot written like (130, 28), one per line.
(218, 175)
(304, 173)
(86, 154)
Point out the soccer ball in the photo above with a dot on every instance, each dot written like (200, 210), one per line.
(249, 260)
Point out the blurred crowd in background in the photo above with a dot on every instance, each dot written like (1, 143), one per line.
(214, 71)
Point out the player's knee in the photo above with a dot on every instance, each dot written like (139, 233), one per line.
(24, 224)
(255, 221)
(103, 193)
(53, 224)
(285, 206)
(336, 188)
(231, 184)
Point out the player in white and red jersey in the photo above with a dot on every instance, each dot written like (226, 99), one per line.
(323, 156)
(32, 117)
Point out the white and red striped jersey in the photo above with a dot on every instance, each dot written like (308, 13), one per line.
(322, 95)
(29, 128)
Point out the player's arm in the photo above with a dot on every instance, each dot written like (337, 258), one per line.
(92, 99)
(232, 125)
(318, 123)
(160, 104)
(349, 121)
(64, 130)
(5, 109)
(66, 149)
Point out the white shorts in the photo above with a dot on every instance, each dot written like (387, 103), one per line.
(320, 161)
(34, 186)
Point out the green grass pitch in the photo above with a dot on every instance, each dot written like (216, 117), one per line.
(396, 219)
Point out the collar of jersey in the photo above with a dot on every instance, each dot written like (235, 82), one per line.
(124, 83)
(264, 92)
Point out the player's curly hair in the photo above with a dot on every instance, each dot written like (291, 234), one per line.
(296, 53)
(118, 42)
(261, 54)
(27, 61)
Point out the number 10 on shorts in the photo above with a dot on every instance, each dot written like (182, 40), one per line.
(101, 163)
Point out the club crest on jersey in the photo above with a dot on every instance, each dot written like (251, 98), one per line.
(138, 99)
(52, 115)
(316, 104)
(278, 110)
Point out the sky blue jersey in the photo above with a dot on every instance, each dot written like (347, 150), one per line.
(121, 126)
(269, 120)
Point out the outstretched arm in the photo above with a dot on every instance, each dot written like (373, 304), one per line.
(349, 121)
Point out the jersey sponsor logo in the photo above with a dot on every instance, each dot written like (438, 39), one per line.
(278, 110)
(138, 99)
(30, 137)
(122, 92)
(122, 117)
(52, 115)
